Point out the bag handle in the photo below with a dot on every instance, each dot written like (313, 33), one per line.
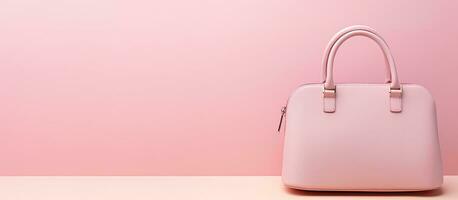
(339, 35)
(329, 91)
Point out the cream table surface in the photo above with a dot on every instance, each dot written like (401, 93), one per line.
(185, 187)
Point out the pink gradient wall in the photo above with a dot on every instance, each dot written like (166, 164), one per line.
(99, 87)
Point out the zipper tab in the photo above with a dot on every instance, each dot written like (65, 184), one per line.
(283, 112)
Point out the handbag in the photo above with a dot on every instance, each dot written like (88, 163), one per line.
(361, 137)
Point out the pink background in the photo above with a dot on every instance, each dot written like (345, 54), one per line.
(99, 87)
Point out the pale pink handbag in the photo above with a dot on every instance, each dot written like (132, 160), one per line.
(361, 137)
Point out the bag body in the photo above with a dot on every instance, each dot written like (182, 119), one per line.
(361, 137)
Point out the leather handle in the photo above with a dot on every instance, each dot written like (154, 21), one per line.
(340, 34)
(340, 38)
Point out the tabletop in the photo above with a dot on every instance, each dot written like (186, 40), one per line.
(185, 187)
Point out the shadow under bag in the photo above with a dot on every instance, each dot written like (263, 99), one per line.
(361, 137)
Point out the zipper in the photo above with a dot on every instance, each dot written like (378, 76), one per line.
(283, 112)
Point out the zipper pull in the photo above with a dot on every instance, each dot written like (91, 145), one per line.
(283, 112)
